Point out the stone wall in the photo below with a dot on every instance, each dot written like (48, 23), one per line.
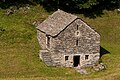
(77, 39)
(41, 39)
(88, 44)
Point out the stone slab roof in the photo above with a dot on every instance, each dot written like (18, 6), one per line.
(56, 22)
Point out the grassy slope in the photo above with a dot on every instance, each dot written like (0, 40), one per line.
(19, 48)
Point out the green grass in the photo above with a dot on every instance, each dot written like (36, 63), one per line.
(19, 48)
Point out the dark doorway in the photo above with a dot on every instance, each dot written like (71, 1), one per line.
(76, 60)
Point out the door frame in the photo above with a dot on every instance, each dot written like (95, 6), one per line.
(73, 59)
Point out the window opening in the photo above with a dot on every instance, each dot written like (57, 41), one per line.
(66, 58)
(77, 42)
(77, 33)
(86, 57)
(77, 27)
(48, 42)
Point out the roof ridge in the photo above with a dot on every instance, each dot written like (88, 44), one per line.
(56, 22)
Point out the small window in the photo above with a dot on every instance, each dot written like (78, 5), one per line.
(77, 33)
(66, 58)
(86, 57)
(77, 27)
(77, 42)
(48, 41)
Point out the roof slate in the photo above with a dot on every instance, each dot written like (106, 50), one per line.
(56, 22)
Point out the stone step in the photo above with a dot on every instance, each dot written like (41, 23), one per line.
(49, 64)
(47, 61)
(57, 61)
(45, 55)
(47, 58)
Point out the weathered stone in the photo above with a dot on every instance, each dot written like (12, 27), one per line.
(81, 70)
(11, 10)
(118, 11)
(102, 66)
(99, 67)
(69, 40)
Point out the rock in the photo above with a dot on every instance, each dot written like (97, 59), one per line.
(24, 9)
(83, 71)
(27, 7)
(36, 23)
(99, 67)
(11, 10)
(102, 66)
(96, 68)
(118, 11)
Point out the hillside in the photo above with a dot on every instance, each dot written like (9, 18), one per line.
(19, 47)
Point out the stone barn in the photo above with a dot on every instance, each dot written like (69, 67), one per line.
(68, 41)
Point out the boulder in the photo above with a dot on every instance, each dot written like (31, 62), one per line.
(99, 67)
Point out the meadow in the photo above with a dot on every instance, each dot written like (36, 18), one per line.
(19, 47)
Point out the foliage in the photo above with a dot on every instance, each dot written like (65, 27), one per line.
(80, 4)
(71, 4)
(63, 4)
(90, 8)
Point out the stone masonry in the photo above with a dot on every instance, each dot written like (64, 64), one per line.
(68, 41)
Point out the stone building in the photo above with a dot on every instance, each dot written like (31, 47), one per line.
(68, 41)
